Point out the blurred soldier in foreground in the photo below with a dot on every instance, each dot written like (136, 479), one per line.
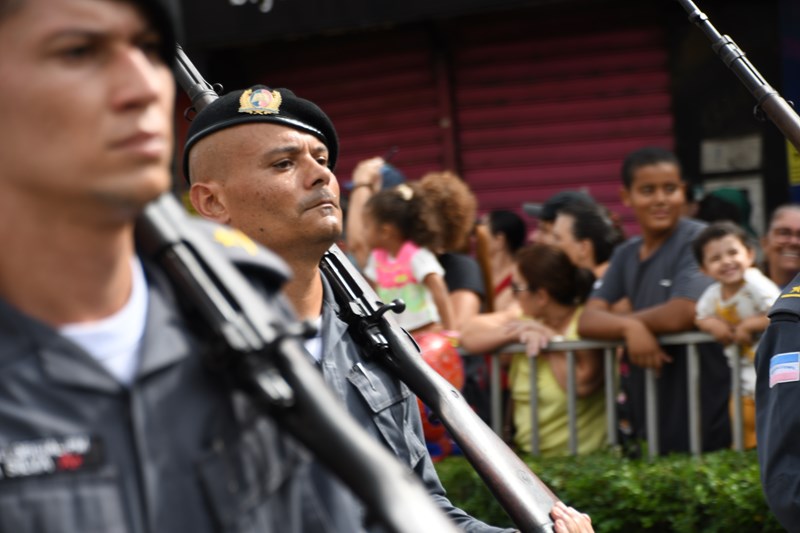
(109, 421)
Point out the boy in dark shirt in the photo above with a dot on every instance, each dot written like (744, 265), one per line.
(659, 275)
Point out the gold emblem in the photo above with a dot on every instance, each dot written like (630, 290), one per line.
(260, 102)
(794, 292)
(230, 238)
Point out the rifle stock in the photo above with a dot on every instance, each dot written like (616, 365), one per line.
(774, 106)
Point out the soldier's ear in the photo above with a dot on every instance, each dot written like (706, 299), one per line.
(208, 200)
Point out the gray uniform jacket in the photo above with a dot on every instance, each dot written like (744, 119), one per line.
(176, 452)
(388, 410)
(777, 416)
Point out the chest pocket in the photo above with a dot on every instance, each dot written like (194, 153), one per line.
(389, 401)
(62, 503)
(251, 484)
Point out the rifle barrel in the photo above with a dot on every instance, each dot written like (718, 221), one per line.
(780, 112)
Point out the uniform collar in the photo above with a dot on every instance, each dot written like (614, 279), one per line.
(165, 342)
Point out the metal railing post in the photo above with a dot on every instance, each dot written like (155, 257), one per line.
(496, 395)
(737, 424)
(534, 377)
(651, 413)
(572, 401)
(693, 392)
(611, 394)
(693, 377)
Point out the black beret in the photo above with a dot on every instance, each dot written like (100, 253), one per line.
(262, 104)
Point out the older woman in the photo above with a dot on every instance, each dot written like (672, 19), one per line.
(781, 245)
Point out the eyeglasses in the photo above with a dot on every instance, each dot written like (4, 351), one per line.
(785, 233)
(517, 289)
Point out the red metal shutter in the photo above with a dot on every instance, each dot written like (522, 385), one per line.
(541, 110)
(378, 88)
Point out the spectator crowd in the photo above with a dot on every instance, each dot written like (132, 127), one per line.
(564, 270)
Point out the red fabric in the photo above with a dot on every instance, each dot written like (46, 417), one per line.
(503, 284)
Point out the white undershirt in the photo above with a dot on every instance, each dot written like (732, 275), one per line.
(314, 344)
(114, 341)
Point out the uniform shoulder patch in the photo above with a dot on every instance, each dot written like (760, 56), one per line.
(789, 300)
(242, 251)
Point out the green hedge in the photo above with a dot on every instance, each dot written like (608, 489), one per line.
(718, 492)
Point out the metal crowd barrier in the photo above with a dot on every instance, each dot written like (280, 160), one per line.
(691, 339)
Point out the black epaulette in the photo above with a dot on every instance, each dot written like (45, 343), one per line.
(789, 300)
(244, 252)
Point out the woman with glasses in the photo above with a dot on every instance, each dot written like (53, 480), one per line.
(781, 245)
(549, 292)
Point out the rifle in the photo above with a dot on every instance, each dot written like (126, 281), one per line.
(525, 498)
(768, 101)
(260, 345)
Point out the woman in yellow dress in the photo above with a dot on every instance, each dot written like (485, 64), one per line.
(550, 292)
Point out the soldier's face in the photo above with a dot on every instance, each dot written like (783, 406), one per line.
(86, 102)
(273, 183)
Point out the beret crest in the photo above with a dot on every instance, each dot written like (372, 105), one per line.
(262, 104)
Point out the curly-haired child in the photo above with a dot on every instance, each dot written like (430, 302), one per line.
(402, 229)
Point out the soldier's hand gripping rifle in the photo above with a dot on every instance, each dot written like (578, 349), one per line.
(768, 100)
(525, 498)
(259, 343)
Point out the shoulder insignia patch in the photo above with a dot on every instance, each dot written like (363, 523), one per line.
(784, 368)
(242, 250)
(789, 300)
(230, 237)
(793, 292)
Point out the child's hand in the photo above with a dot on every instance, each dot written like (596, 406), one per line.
(722, 332)
(749, 328)
(742, 334)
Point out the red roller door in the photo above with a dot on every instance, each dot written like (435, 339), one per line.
(540, 110)
(380, 91)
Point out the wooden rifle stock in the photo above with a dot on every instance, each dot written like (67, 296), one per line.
(525, 498)
(768, 100)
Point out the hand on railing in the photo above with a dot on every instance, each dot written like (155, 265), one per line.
(722, 331)
(532, 333)
(643, 347)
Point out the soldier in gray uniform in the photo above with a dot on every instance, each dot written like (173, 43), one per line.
(109, 421)
(777, 417)
(262, 160)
